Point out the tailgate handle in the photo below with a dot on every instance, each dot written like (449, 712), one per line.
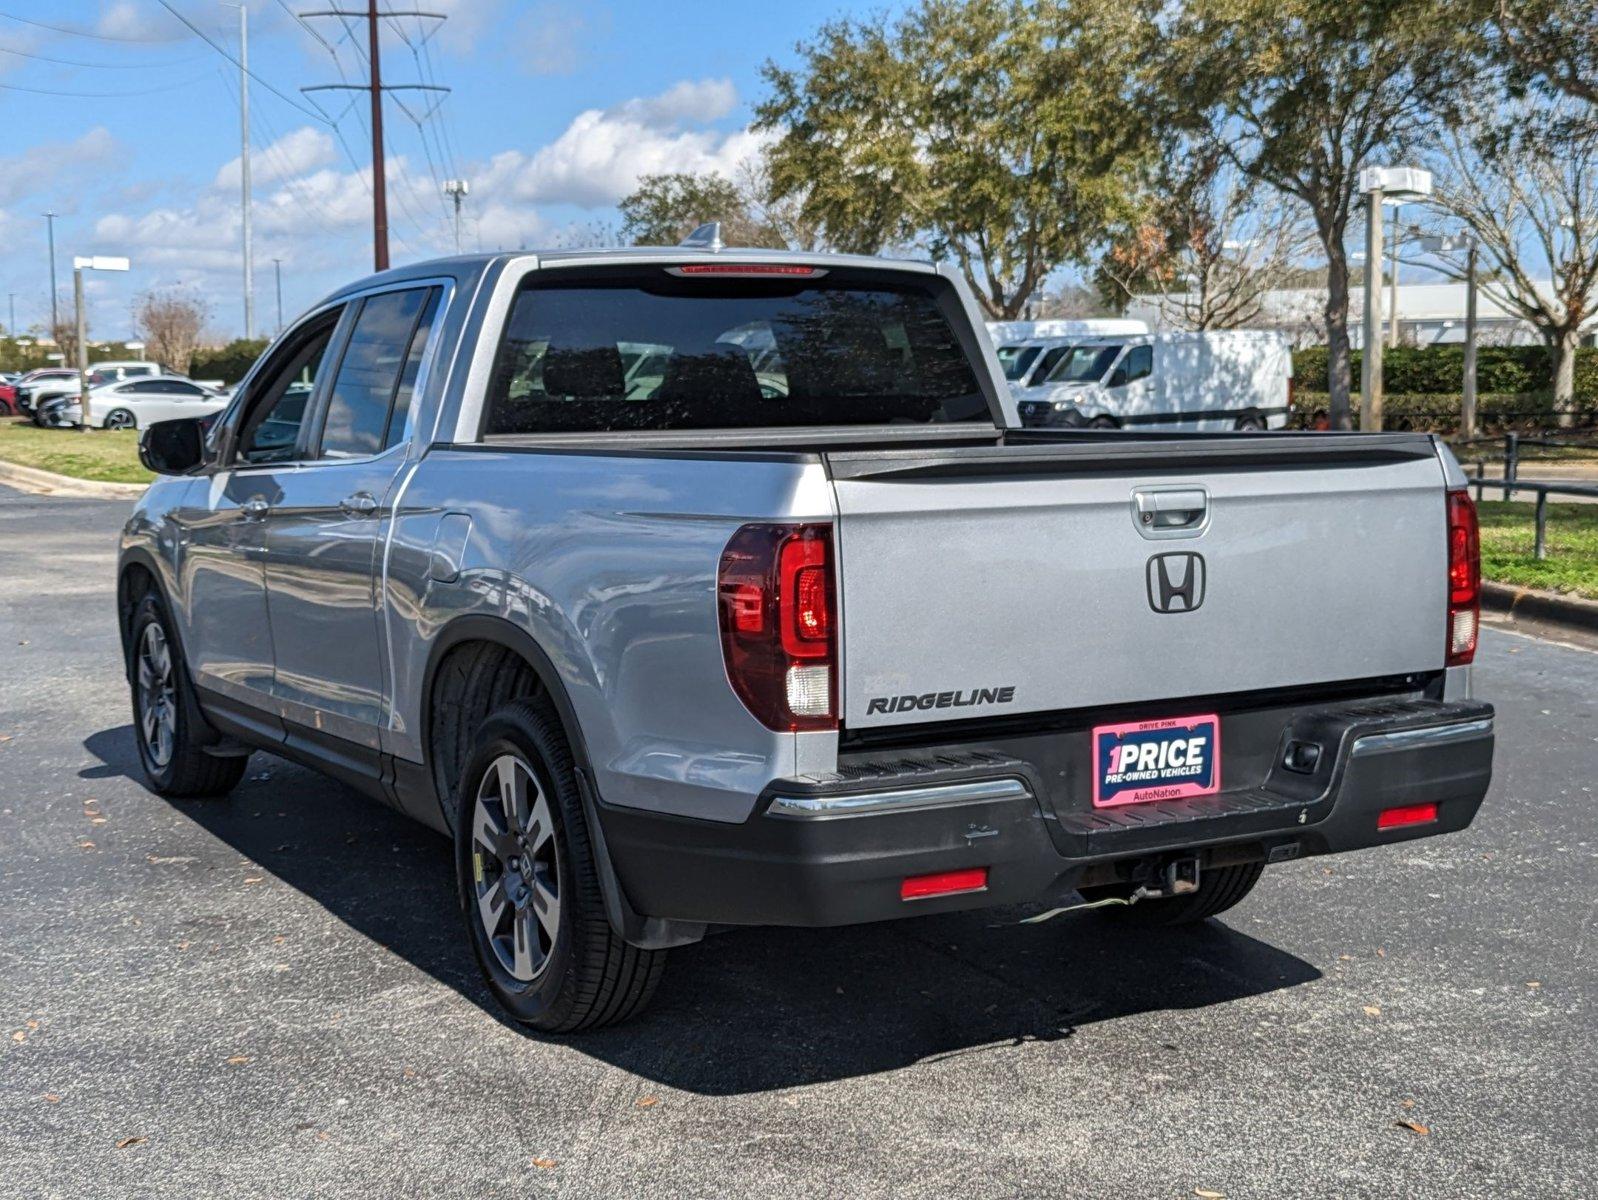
(1170, 512)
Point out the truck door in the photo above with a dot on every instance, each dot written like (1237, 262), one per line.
(326, 528)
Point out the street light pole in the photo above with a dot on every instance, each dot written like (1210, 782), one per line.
(96, 263)
(1468, 403)
(1370, 395)
(1392, 285)
(277, 268)
(55, 316)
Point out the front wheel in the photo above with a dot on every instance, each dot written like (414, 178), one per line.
(528, 885)
(1219, 889)
(165, 714)
(120, 418)
(1104, 423)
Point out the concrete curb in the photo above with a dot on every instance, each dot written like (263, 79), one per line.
(1549, 608)
(48, 483)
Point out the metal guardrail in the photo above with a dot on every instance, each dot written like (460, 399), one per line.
(1542, 487)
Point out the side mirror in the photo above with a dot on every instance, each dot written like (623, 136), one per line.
(1118, 377)
(173, 447)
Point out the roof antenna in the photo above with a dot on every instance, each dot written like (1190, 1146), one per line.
(706, 237)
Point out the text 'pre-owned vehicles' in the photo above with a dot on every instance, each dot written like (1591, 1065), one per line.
(1210, 381)
(134, 403)
(690, 588)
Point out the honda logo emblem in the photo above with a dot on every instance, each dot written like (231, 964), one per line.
(1176, 582)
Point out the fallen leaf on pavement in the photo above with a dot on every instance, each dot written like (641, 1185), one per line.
(51, 1098)
(646, 1102)
(1414, 1127)
(85, 845)
(1372, 1011)
(1534, 983)
(19, 1037)
(1406, 1104)
(31, 1024)
(254, 878)
(1209, 1195)
(238, 1060)
(5, 737)
(130, 1141)
(545, 1164)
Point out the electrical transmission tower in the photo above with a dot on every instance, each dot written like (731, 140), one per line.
(376, 87)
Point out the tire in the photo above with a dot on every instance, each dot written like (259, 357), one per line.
(1219, 890)
(547, 951)
(1104, 423)
(166, 713)
(119, 418)
(1250, 423)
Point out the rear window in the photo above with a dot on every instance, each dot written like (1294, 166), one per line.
(650, 351)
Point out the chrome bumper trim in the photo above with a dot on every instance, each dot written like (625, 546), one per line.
(1411, 739)
(860, 804)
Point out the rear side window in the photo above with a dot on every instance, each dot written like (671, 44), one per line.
(649, 350)
(372, 373)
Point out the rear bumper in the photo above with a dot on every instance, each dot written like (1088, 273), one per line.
(835, 849)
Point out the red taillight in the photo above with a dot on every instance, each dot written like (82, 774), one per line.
(778, 636)
(747, 269)
(1464, 579)
(944, 883)
(1408, 814)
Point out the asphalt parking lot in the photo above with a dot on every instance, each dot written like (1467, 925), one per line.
(272, 994)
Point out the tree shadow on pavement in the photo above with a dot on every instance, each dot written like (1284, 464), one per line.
(756, 1009)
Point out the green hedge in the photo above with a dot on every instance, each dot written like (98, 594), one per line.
(229, 363)
(1439, 411)
(1436, 370)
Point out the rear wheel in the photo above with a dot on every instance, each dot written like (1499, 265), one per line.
(1220, 889)
(528, 885)
(1104, 423)
(1250, 423)
(165, 714)
(120, 418)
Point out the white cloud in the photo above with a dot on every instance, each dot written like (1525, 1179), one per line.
(293, 154)
(600, 156)
(44, 167)
(132, 22)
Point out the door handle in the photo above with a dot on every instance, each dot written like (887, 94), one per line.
(362, 504)
(255, 508)
(1170, 512)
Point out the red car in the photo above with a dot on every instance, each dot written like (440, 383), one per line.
(8, 399)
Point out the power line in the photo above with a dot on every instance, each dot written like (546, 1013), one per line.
(103, 37)
(166, 87)
(78, 62)
(199, 33)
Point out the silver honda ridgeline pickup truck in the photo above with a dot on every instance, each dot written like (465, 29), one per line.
(693, 588)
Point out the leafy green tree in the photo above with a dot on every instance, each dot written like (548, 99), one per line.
(1553, 43)
(1307, 92)
(1005, 135)
(664, 209)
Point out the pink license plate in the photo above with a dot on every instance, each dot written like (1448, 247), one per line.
(1169, 759)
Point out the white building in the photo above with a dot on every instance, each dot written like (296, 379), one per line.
(1428, 314)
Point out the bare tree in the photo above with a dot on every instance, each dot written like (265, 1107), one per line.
(171, 322)
(64, 333)
(1523, 177)
(1215, 243)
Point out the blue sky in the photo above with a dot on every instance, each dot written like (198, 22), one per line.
(556, 107)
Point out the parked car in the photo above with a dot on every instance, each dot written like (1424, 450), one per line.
(667, 657)
(133, 403)
(44, 379)
(1209, 381)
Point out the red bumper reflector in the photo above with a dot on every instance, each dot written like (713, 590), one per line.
(944, 883)
(1409, 814)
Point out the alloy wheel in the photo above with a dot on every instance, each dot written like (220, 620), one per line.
(158, 701)
(515, 868)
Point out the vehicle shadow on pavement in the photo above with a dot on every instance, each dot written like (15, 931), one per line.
(756, 1009)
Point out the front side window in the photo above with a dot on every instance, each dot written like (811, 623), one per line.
(279, 396)
(372, 373)
(1139, 363)
(1015, 360)
(636, 349)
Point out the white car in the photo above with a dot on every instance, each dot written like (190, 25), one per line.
(135, 403)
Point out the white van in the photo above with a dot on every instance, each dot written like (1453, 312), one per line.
(1195, 382)
(1029, 350)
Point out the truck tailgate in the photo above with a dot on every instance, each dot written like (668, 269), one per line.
(1021, 578)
